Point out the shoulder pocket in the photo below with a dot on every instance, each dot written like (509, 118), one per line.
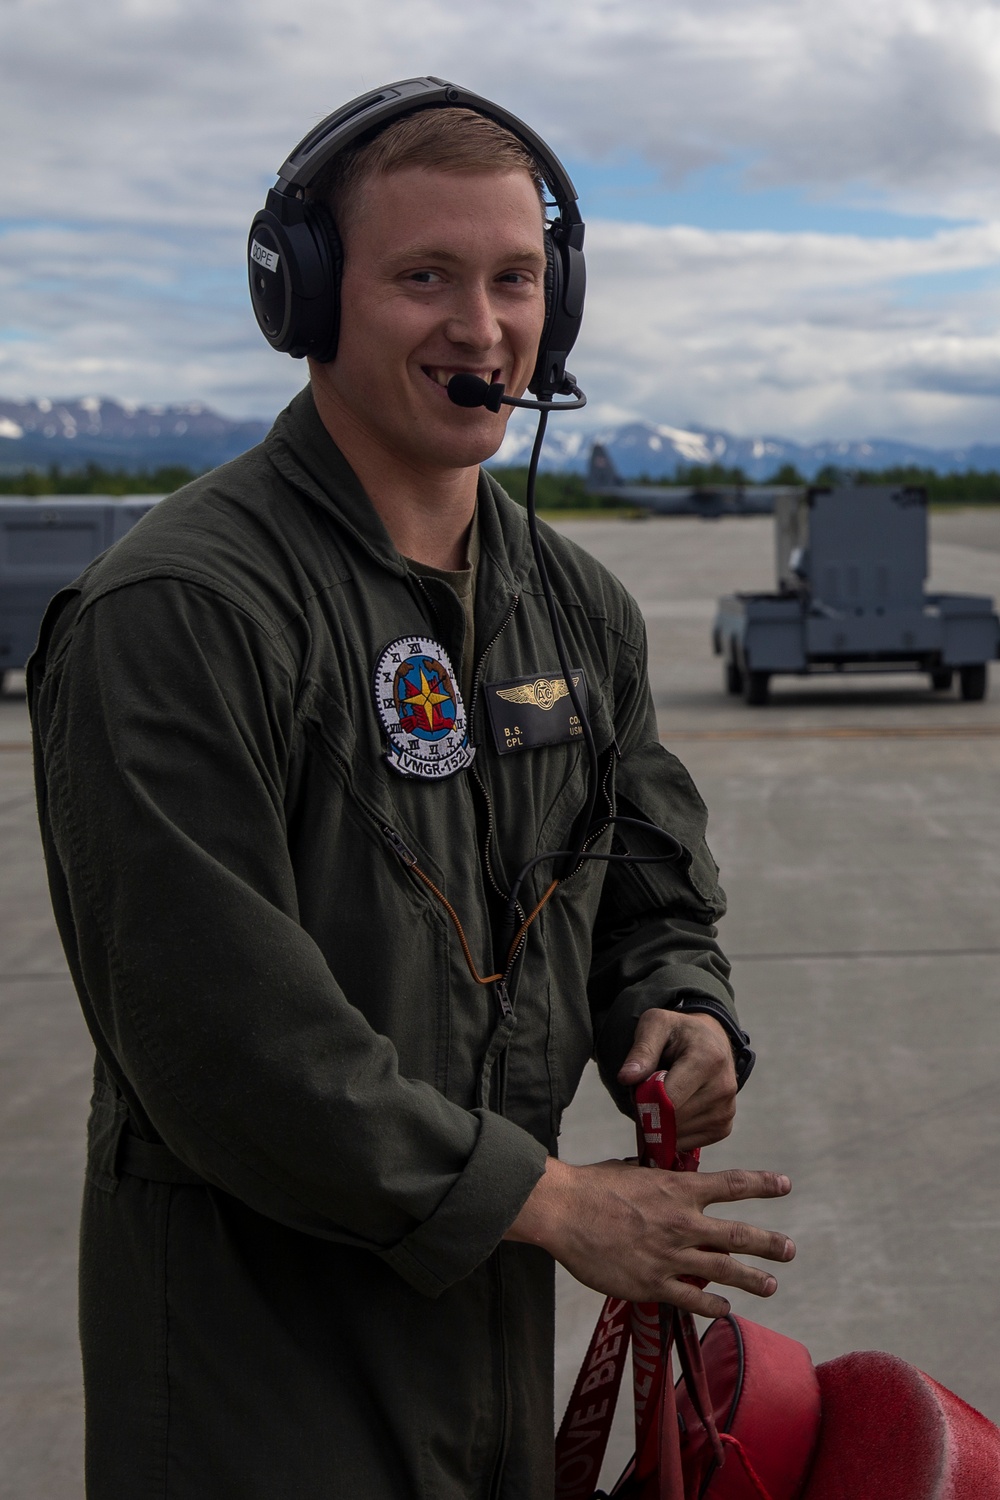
(39, 658)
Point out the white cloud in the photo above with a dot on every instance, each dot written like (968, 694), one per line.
(807, 335)
(126, 313)
(182, 107)
(141, 135)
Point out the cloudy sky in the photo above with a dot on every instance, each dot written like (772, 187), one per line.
(793, 206)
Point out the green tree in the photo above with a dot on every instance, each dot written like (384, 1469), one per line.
(787, 474)
(553, 491)
(94, 479)
(703, 476)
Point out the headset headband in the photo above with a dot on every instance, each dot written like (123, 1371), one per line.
(295, 256)
(371, 111)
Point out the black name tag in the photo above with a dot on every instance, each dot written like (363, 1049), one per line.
(536, 710)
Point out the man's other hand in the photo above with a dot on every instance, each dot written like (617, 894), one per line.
(634, 1233)
(701, 1075)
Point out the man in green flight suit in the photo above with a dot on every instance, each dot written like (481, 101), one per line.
(283, 805)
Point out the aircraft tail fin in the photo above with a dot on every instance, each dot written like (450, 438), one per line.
(602, 474)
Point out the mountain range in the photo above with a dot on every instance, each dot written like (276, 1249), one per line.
(115, 434)
(657, 451)
(119, 435)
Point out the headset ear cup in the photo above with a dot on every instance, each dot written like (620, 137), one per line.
(553, 281)
(565, 284)
(551, 273)
(295, 262)
(325, 231)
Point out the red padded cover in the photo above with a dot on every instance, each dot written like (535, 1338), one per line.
(765, 1393)
(887, 1431)
(892, 1433)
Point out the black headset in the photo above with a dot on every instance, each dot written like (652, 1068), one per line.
(294, 254)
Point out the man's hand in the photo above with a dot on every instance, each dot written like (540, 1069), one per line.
(701, 1075)
(633, 1232)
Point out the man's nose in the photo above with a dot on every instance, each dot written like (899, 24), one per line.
(473, 319)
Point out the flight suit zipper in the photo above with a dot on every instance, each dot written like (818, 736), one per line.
(490, 821)
(507, 1011)
(409, 859)
(502, 985)
(470, 719)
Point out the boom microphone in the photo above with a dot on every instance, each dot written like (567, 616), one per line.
(466, 389)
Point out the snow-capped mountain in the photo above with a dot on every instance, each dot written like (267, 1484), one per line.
(658, 451)
(116, 434)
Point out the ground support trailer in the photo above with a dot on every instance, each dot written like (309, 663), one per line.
(44, 544)
(851, 568)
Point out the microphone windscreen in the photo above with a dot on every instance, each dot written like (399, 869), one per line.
(468, 390)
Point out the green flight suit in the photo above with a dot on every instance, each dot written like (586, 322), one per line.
(303, 1292)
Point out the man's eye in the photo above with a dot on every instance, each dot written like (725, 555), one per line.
(424, 277)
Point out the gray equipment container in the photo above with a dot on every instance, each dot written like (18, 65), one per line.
(851, 565)
(44, 545)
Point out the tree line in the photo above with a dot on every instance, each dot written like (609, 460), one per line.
(555, 491)
(94, 479)
(970, 487)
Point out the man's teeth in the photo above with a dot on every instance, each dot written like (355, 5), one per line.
(442, 377)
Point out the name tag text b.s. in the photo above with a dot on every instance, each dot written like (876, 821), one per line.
(537, 710)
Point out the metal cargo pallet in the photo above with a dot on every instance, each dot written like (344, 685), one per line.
(44, 545)
(851, 567)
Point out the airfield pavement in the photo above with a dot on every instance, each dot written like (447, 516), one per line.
(857, 824)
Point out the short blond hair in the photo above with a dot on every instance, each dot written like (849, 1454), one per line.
(444, 140)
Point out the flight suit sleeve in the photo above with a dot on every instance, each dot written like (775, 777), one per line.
(655, 940)
(164, 721)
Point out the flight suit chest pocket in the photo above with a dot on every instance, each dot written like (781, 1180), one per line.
(528, 712)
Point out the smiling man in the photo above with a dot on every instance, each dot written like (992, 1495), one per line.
(444, 272)
(282, 817)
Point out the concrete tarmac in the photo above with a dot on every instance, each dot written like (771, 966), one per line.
(858, 830)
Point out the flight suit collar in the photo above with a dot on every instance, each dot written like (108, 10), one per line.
(305, 454)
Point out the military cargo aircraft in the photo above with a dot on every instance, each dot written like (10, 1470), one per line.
(706, 500)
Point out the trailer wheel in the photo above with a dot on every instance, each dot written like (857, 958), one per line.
(732, 677)
(972, 682)
(755, 688)
(941, 681)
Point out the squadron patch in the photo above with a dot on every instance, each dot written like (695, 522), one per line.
(421, 709)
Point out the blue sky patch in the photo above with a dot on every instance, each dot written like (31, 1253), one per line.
(930, 287)
(629, 189)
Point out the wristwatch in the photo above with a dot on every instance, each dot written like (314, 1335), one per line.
(744, 1056)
